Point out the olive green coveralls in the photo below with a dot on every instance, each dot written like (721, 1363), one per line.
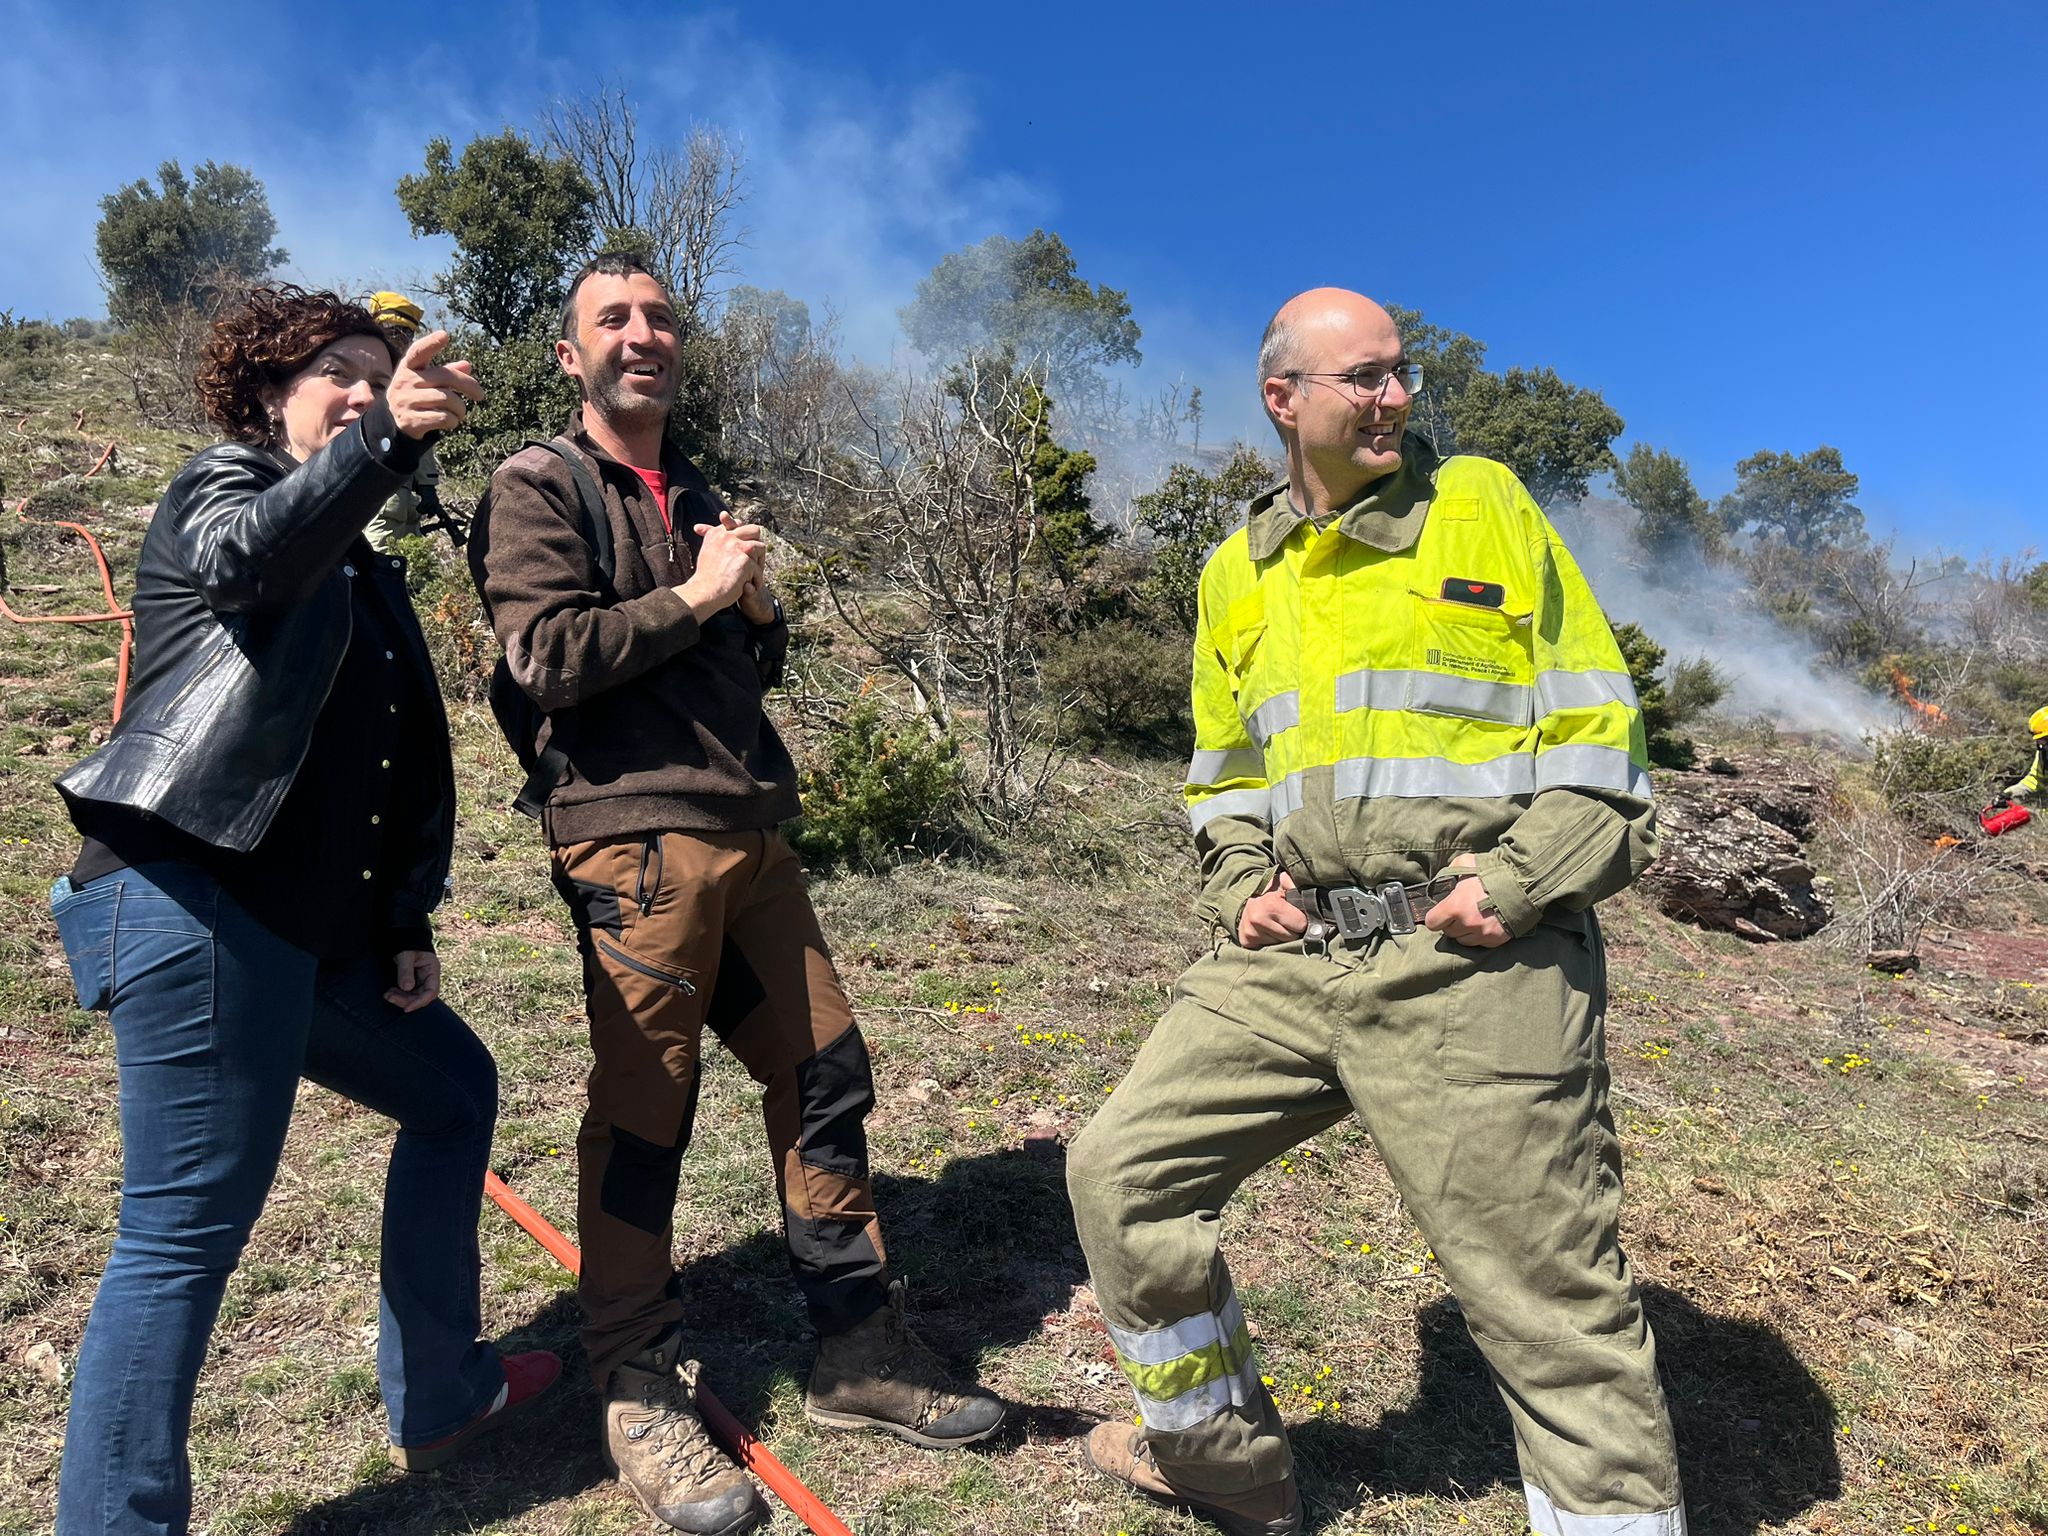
(1424, 676)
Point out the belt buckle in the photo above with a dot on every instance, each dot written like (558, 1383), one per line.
(1358, 913)
(1394, 901)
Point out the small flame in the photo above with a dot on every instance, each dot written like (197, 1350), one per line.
(1903, 685)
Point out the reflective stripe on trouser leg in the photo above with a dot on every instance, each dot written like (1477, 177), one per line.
(1209, 1100)
(1546, 1519)
(1190, 1370)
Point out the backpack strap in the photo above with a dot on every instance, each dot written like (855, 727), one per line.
(595, 523)
(551, 762)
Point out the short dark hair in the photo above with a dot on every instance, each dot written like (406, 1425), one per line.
(603, 264)
(266, 340)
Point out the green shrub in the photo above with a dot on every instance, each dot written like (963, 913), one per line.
(1122, 682)
(452, 620)
(1644, 657)
(876, 791)
(28, 349)
(1940, 780)
(1696, 686)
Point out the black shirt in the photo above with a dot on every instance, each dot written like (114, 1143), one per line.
(320, 875)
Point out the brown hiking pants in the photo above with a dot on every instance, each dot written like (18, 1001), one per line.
(680, 930)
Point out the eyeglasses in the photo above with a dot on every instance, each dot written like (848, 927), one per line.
(1371, 378)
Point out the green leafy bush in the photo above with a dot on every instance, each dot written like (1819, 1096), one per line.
(876, 791)
(1696, 686)
(1122, 682)
(29, 349)
(1940, 780)
(1645, 658)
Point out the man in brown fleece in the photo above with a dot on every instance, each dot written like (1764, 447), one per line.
(690, 910)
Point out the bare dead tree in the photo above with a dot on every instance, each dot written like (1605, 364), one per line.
(1997, 616)
(1883, 602)
(681, 200)
(694, 196)
(601, 134)
(938, 516)
(787, 398)
(158, 351)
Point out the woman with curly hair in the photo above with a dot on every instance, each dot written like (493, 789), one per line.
(265, 833)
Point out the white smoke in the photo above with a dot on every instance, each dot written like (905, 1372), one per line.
(1704, 609)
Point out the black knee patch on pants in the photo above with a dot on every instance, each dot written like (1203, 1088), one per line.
(738, 992)
(835, 1090)
(641, 1177)
(838, 1269)
(590, 906)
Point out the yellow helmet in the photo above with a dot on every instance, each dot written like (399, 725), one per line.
(2039, 724)
(396, 311)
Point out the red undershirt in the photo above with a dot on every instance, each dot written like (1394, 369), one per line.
(657, 482)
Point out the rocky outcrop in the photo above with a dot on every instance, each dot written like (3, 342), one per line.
(1732, 848)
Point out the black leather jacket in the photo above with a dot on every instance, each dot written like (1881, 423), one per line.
(241, 618)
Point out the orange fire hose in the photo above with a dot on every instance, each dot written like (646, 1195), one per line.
(751, 1453)
(115, 613)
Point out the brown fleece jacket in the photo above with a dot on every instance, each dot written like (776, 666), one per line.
(662, 717)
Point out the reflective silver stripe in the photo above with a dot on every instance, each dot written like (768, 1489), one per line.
(1436, 693)
(1255, 803)
(1546, 1519)
(1282, 712)
(1157, 1346)
(1286, 798)
(1233, 763)
(1583, 690)
(1580, 765)
(1212, 1397)
(1372, 690)
(1514, 773)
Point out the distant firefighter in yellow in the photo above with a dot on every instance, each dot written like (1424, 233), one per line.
(420, 497)
(2030, 786)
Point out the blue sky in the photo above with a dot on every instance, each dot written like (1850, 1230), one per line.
(1748, 225)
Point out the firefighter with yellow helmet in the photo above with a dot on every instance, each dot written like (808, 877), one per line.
(400, 517)
(1419, 762)
(2030, 786)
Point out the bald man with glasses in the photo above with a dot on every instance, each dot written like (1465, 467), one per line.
(1419, 763)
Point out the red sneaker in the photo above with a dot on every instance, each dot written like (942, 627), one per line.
(526, 1377)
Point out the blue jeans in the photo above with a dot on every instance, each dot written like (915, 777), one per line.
(215, 1020)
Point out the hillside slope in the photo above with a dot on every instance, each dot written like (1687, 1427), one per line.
(1838, 1194)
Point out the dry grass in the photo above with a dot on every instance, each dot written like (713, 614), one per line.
(1838, 1194)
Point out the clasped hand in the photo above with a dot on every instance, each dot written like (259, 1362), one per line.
(732, 567)
(1270, 918)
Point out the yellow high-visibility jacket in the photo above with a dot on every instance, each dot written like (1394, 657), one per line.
(1427, 674)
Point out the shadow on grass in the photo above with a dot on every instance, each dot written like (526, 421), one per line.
(1756, 1433)
(988, 1248)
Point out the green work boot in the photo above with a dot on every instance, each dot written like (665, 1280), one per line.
(877, 1375)
(656, 1445)
(1119, 1450)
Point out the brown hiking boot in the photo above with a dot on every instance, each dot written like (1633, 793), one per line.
(1119, 1450)
(878, 1375)
(656, 1445)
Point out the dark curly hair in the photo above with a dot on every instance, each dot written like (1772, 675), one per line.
(268, 340)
